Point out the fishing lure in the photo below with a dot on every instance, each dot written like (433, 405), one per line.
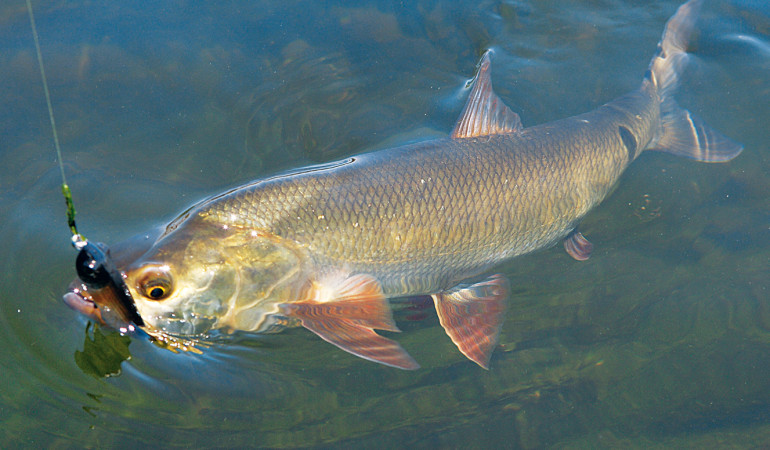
(93, 264)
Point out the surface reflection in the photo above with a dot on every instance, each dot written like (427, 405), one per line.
(103, 352)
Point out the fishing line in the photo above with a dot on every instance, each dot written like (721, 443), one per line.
(94, 266)
(77, 239)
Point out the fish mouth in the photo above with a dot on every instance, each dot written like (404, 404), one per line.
(75, 299)
(100, 292)
(79, 298)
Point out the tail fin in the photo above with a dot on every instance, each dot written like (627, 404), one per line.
(682, 133)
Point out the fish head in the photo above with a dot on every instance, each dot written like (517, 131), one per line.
(203, 277)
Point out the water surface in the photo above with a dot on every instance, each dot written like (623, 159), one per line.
(661, 338)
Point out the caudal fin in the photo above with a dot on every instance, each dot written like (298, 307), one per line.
(682, 133)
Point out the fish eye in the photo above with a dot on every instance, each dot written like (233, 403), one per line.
(156, 292)
(155, 283)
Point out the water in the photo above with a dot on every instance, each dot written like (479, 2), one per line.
(661, 338)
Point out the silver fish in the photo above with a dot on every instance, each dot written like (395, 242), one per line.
(326, 246)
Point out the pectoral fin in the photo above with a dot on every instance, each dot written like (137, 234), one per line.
(345, 313)
(472, 316)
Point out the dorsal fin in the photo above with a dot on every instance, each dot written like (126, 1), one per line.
(484, 112)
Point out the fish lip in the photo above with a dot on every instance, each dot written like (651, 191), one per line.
(81, 301)
(78, 298)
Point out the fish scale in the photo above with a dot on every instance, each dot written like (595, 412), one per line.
(427, 215)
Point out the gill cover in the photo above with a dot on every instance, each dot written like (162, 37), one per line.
(202, 276)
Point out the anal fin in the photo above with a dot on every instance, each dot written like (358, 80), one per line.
(577, 246)
(345, 313)
(472, 316)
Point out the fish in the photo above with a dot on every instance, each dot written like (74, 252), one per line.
(326, 247)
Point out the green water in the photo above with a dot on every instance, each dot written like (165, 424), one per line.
(662, 338)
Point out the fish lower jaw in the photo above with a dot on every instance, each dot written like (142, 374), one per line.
(75, 300)
(85, 305)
